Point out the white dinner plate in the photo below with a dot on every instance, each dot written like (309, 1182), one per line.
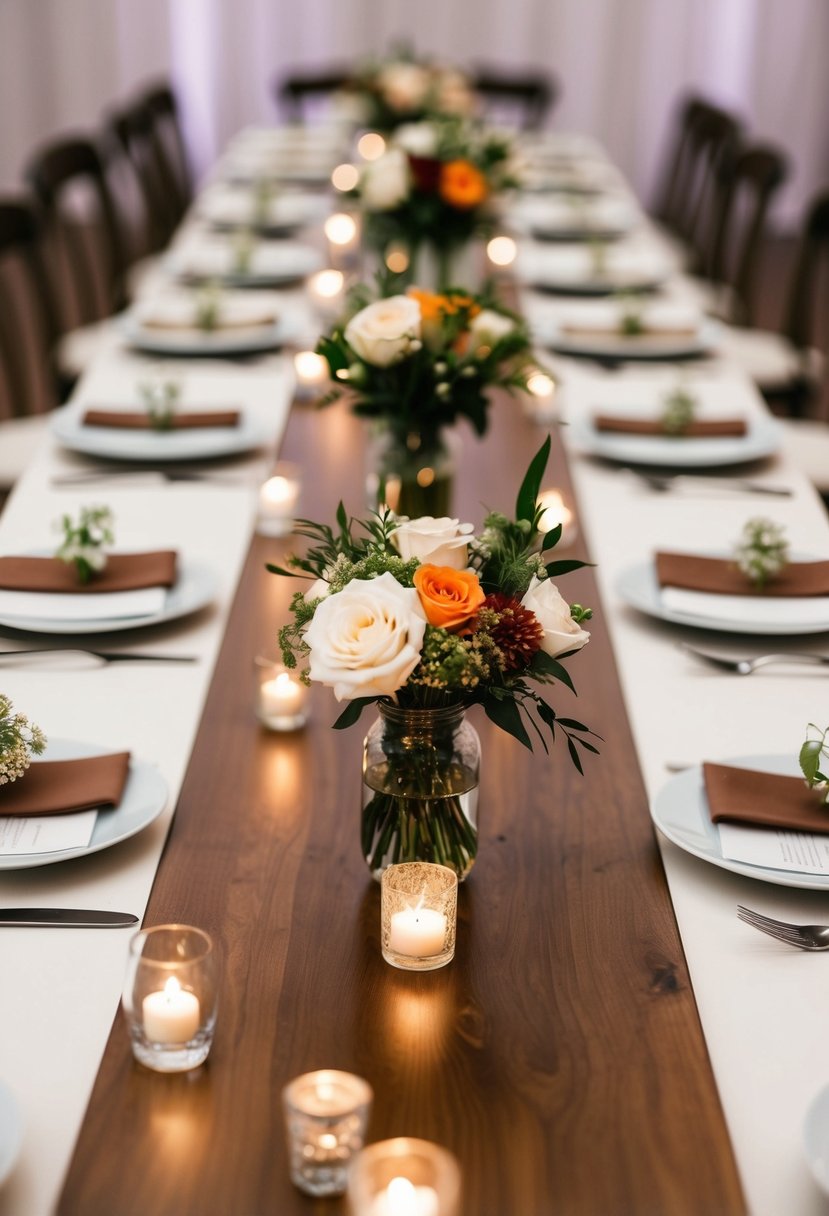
(273, 264)
(702, 341)
(11, 1131)
(680, 811)
(228, 208)
(762, 438)
(193, 342)
(195, 587)
(195, 443)
(143, 800)
(816, 1138)
(638, 586)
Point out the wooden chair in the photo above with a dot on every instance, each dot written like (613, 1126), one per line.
(160, 102)
(87, 259)
(133, 128)
(299, 93)
(27, 327)
(525, 98)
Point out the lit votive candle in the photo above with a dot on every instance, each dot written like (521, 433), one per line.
(311, 373)
(541, 402)
(326, 291)
(281, 697)
(343, 235)
(554, 512)
(404, 1177)
(172, 1015)
(277, 501)
(326, 1113)
(418, 911)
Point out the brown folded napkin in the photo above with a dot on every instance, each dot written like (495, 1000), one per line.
(723, 577)
(123, 572)
(616, 331)
(698, 429)
(251, 322)
(140, 420)
(765, 800)
(57, 787)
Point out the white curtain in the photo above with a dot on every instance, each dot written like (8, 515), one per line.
(622, 64)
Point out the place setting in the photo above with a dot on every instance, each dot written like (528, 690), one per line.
(573, 217)
(241, 260)
(593, 268)
(86, 587)
(625, 327)
(210, 322)
(761, 587)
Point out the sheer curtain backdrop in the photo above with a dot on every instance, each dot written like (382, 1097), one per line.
(621, 64)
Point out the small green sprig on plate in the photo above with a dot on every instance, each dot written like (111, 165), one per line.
(208, 303)
(161, 401)
(631, 324)
(762, 551)
(814, 750)
(20, 739)
(84, 541)
(679, 408)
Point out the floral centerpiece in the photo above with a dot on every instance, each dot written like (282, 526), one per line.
(416, 363)
(435, 188)
(425, 618)
(403, 88)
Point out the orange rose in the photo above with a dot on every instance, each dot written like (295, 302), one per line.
(450, 598)
(462, 185)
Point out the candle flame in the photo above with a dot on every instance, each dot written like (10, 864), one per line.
(283, 681)
(401, 1193)
(172, 988)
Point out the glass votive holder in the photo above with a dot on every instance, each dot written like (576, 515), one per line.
(170, 997)
(311, 372)
(281, 697)
(326, 1113)
(277, 501)
(404, 1177)
(418, 915)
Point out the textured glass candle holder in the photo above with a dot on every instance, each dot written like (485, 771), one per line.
(281, 697)
(418, 915)
(326, 1113)
(408, 1176)
(170, 997)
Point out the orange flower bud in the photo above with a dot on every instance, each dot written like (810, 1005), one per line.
(462, 185)
(449, 598)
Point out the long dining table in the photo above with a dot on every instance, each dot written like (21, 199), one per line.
(608, 1038)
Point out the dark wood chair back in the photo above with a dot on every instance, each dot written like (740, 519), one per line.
(298, 93)
(811, 264)
(27, 324)
(747, 180)
(133, 127)
(68, 179)
(525, 98)
(171, 150)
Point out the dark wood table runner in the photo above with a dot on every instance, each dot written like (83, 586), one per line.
(559, 1056)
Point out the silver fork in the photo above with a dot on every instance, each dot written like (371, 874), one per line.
(804, 937)
(744, 667)
(663, 483)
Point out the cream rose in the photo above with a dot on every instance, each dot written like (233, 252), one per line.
(365, 640)
(385, 182)
(404, 85)
(441, 542)
(382, 333)
(561, 632)
(489, 327)
(417, 138)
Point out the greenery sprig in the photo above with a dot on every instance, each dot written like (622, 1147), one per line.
(83, 542)
(814, 750)
(762, 551)
(20, 739)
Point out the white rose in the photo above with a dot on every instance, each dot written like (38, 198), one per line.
(365, 640)
(385, 182)
(454, 94)
(417, 138)
(382, 333)
(561, 632)
(489, 327)
(441, 541)
(404, 85)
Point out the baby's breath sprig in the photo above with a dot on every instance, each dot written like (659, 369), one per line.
(20, 739)
(814, 748)
(83, 542)
(679, 409)
(762, 551)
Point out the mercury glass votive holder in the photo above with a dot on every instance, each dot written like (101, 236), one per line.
(418, 915)
(326, 1113)
(404, 1176)
(280, 696)
(170, 997)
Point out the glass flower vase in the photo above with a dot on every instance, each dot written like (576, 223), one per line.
(421, 769)
(439, 267)
(412, 473)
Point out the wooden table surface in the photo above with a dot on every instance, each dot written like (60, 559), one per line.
(559, 1056)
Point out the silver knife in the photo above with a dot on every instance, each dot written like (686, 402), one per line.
(70, 918)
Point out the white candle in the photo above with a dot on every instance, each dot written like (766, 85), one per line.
(172, 1015)
(402, 1198)
(419, 932)
(281, 697)
(311, 369)
(555, 512)
(277, 500)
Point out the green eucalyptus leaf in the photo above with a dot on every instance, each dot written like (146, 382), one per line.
(531, 485)
(505, 714)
